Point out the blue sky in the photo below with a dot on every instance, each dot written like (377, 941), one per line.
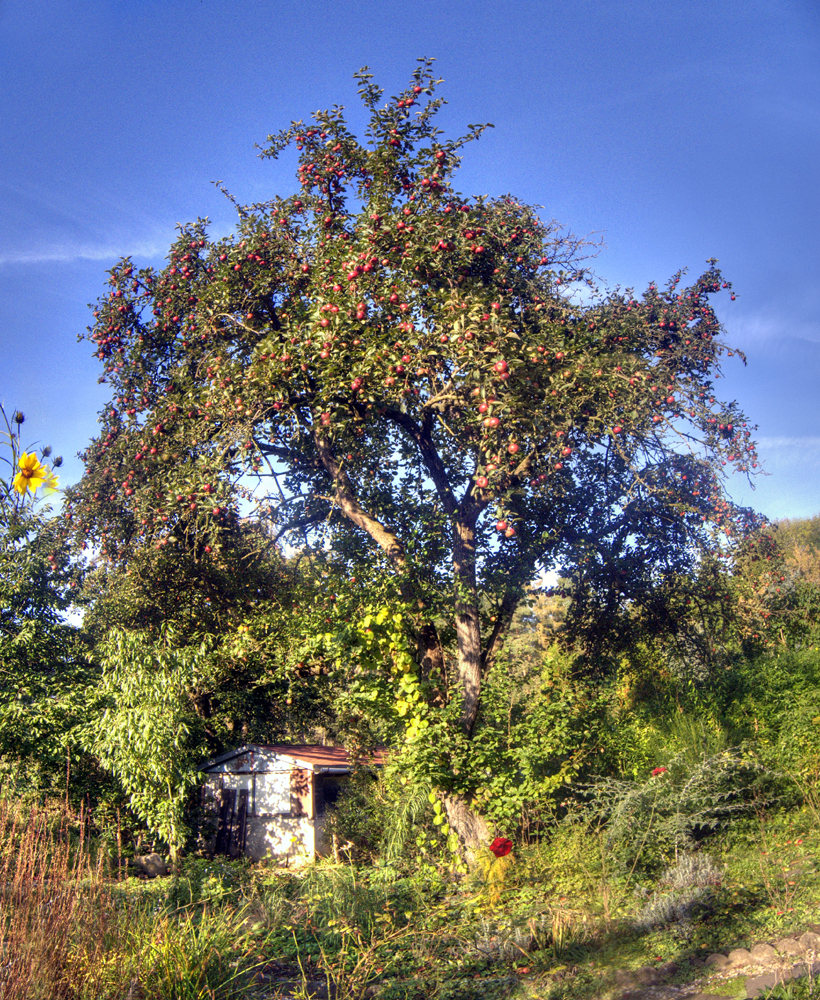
(672, 131)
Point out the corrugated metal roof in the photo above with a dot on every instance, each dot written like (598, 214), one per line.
(312, 754)
(321, 756)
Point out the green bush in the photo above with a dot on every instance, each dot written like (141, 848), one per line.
(200, 881)
(779, 707)
(649, 822)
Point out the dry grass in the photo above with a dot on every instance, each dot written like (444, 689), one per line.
(68, 932)
(53, 903)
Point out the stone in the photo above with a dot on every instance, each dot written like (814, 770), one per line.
(810, 942)
(629, 979)
(788, 946)
(150, 865)
(667, 970)
(763, 954)
(796, 971)
(739, 957)
(755, 985)
(716, 961)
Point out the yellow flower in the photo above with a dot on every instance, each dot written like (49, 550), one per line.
(51, 484)
(32, 474)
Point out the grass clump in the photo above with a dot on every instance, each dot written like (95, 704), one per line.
(69, 931)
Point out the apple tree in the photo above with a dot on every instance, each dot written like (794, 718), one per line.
(429, 388)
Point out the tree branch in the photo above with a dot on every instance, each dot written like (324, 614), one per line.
(345, 499)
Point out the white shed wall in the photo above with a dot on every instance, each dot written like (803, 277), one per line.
(272, 829)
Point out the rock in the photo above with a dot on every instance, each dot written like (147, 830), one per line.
(150, 865)
(788, 946)
(763, 954)
(667, 969)
(810, 942)
(738, 957)
(629, 979)
(716, 961)
(802, 969)
(755, 985)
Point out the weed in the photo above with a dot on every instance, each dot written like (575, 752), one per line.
(807, 988)
(687, 892)
(54, 909)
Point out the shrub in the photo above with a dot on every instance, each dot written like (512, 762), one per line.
(687, 891)
(649, 822)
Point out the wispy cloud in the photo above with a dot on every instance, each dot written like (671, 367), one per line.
(67, 254)
(758, 328)
(805, 445)
(792, 455)
(44, 225)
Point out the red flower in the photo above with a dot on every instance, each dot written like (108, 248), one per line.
(658, 770)
(501, 846)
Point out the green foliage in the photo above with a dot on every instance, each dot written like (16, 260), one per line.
(777, 703)
(358, 818)
(402, 377)
(44, 671)
(647, 822)
(210, 881)
(805, 988)
(538, 730)
(193, 957)
(556, 923)
(145, 731)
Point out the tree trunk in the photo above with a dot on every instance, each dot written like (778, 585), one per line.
(468, 625)
(430, 657)
(470, 828)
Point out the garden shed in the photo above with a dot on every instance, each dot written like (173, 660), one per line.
(261, 800)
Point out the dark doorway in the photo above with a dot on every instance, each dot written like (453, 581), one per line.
(232, 822)
(328, 788)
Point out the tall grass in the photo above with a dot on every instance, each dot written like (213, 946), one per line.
(68, 932)
(53, 905)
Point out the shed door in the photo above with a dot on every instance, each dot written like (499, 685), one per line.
(237, 845)
(226, 801)
(233, 820)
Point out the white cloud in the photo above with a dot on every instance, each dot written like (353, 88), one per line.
(67, 254)
(758, 328)
(803, 443)
(789, 456)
